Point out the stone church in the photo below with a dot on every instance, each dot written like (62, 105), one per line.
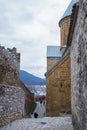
(58, 75)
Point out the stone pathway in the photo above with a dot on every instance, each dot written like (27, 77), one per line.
(46, 123)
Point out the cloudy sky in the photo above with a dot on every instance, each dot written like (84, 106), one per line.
(31, 25)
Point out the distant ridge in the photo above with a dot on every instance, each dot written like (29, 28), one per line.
(29, 79)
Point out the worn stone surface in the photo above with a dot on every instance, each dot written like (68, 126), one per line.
(12, 103)
(9, 75)
(79, 69)
(9, 66)
(58, 97)
(46, 123)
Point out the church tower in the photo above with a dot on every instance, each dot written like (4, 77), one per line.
(64, 24)
(58, 75)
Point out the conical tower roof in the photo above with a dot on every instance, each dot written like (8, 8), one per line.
(69, 8)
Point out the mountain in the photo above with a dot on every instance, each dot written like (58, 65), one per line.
(29, 79)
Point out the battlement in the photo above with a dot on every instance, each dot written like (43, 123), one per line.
(10, 54)
(9, 65)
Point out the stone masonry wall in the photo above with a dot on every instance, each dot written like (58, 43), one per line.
(9, 66)
(51, 61)
(58, 88)
(9, 75)
(12, 103)
(79, 69)
(64, 30)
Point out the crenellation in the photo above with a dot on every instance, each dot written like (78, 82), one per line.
(9, 54)
(9, 65)
(14, 50)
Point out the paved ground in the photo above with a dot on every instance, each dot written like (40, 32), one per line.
(46, 123)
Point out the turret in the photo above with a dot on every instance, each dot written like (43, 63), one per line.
(64, 25)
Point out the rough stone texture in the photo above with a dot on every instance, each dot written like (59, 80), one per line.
(58, 95)
(9, 75)
(46, 123)
(9, 66)
(12, 103)
(79, 69)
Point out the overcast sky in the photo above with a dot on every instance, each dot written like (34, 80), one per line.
(31, 25)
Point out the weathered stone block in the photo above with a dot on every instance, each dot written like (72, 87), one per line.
(12, 104)
(58, 97)
(79, 69)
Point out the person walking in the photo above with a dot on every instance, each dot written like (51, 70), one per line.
(40, 110)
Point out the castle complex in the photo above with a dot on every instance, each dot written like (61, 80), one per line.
(66, 76)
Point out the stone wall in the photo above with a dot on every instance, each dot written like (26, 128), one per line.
(58, 97)
(9, 75)
(51, 61)
(64, 29)
(79, 69)
(12, 103)
(9, 66)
